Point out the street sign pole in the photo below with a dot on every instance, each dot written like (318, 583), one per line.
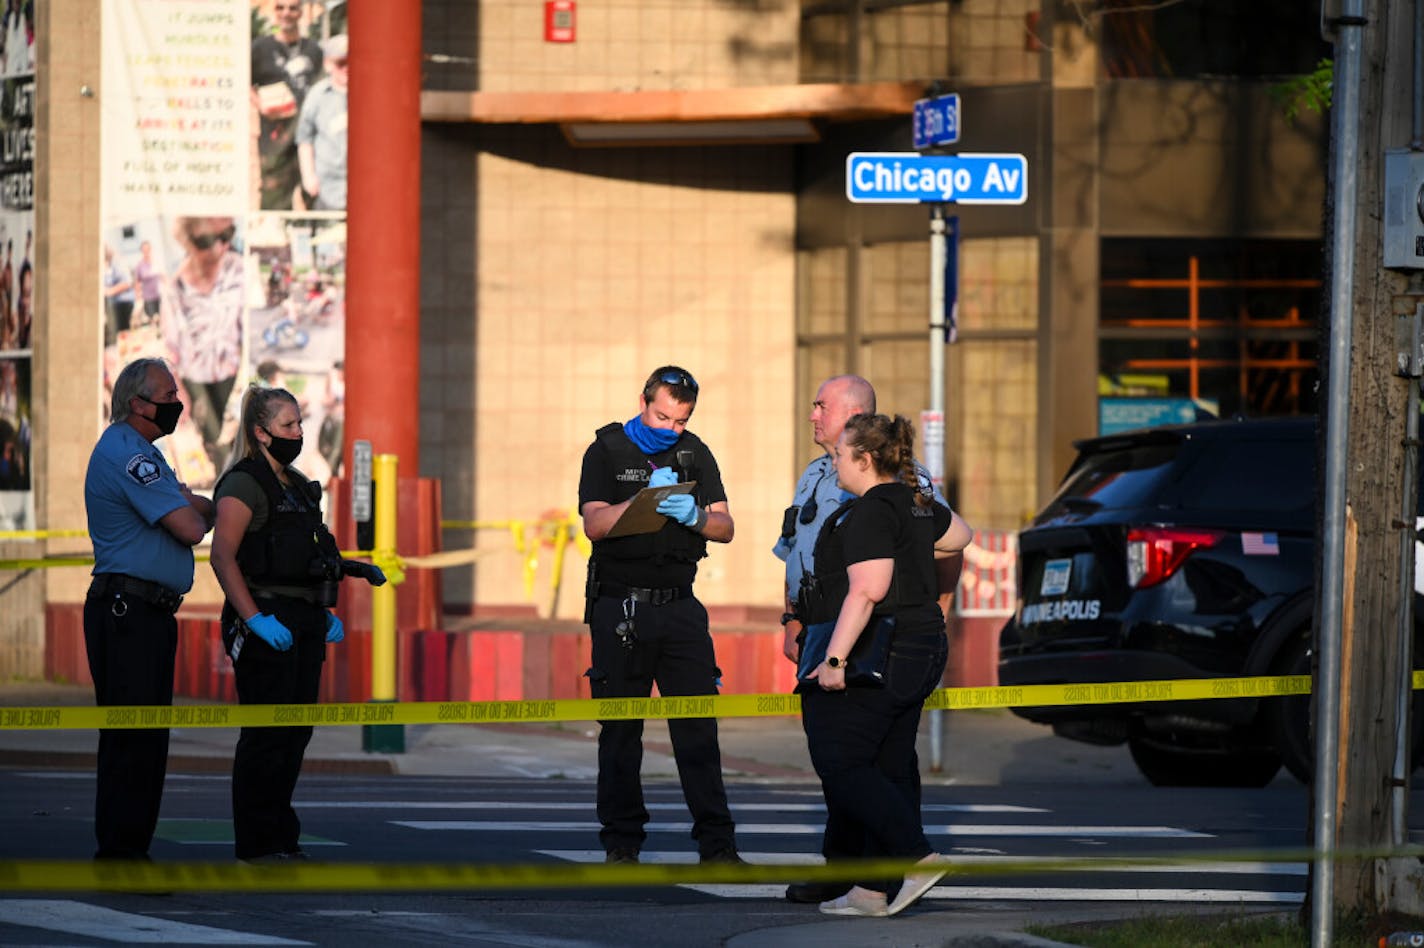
(934, 448)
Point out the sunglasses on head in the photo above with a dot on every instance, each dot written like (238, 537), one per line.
(679, 378)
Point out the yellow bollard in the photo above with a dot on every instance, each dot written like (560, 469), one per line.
(384, 738)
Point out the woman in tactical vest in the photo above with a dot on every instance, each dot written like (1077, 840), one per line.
(278, 566)
(876, 584)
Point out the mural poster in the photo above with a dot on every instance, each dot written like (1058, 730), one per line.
(17, 272)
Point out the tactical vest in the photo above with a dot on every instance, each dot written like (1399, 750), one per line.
(673, 541)
(294, 547)
(822, 593)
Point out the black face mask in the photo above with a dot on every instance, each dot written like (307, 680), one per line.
(283, 450)
(165, 414)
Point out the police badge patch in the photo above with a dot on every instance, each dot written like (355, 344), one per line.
(143, 469)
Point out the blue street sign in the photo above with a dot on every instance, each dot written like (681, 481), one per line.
(909, 178)
(937, 121)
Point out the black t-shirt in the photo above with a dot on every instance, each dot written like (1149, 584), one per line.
(604, 479)
(884, 523)
(298, 65)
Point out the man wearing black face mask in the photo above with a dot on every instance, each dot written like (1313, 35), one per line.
(279, 567)
(143, 523)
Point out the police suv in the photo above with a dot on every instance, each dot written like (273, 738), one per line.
(1177, 552)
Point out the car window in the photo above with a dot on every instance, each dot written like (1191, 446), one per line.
(1258, 475)
(1125, 477)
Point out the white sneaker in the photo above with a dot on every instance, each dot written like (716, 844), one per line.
(918, 883)
(862, 903)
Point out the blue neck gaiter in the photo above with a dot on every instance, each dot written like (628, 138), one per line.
(649, 440)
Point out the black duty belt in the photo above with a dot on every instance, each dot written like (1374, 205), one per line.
(303, 595)
(653, 597)
(120, 584)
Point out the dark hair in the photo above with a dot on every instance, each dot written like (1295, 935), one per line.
(677, 380)
(890, 445)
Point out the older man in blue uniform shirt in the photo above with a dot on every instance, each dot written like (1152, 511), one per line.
(143, 523)
(818, 495)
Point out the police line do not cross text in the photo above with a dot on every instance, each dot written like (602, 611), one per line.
(911, 178)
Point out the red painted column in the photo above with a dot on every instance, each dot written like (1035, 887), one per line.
(383, 232)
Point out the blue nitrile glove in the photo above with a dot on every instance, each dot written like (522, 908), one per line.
(662, 477)
(270, 630)
(679, 507)
(335, 631)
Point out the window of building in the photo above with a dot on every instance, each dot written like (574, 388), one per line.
(1232, 322)
(1192, 38)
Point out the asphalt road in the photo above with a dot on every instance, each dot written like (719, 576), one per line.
(385, 819)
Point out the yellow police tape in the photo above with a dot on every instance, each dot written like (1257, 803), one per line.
(54, 875)
(624, 709)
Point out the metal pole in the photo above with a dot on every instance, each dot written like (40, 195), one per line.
(386, 738)
(1344, 156)
(936, 464)
(1399, 782)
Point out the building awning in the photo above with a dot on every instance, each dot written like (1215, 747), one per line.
(760, 114)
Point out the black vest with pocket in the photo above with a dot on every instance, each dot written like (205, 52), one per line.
(674, 541)
(294, 547)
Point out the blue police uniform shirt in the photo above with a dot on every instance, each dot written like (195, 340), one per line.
(818, 481)
(128, 488)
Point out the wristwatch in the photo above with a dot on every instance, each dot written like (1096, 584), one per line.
(833, 662)
(788, 617)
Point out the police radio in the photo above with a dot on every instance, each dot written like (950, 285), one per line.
(683, 466)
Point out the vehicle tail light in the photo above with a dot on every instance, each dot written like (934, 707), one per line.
(1155, 553)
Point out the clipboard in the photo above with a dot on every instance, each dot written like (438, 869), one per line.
(642, 514)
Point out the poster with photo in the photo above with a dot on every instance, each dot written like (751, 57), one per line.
(299, 81)
(174, 289)
(297, 327)
(17, 506)
(296, 317)
(174, 134)
(223, 216)
(17, 272)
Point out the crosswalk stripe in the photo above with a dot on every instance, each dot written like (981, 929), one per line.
(679, 857)
(587, 806)
(92, 921)
(951, 891)
(800, 829)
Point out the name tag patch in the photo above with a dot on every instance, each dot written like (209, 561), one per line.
(143, 469)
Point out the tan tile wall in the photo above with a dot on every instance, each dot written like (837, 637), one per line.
(627, 45)
(990, 385)
(585, 279)
(973, 41)
(988, 42)
(994, 383)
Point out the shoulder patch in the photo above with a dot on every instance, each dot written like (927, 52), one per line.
(143, 469)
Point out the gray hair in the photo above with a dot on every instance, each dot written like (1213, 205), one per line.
(132, 383)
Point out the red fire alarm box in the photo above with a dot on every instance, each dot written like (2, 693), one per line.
(559, 21)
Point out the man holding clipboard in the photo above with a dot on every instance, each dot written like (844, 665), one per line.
(651, 497)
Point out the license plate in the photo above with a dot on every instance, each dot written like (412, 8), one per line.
(1055, 577)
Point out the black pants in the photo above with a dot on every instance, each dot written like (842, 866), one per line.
(674, 649)
(131, 647)
(269, 759)
(862, 744)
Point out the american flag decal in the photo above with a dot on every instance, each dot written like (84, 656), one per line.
(1260, 544)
